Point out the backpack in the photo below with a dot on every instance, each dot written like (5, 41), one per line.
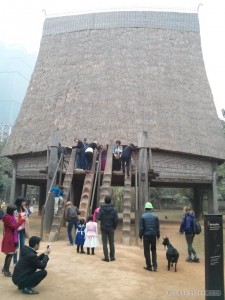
(196, 226)
(72, 212)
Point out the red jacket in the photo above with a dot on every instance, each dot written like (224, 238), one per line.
(10, 225)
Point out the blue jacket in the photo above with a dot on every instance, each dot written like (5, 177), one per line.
(187, 223)
(55, 190)
(149, 225)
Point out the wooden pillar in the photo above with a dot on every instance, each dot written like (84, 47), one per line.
(197, 207)
(215, 196)
(143, 144)
(42, 198)
(24, 190)
(212, 193)
(53, 162)
(13, 185)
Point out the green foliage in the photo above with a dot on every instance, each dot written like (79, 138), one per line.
(117, 197)
(5, 172)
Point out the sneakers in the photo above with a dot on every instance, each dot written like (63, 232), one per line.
(189, 259)
(69, 244)
(196, 260)
(29, 291)
(148, 268)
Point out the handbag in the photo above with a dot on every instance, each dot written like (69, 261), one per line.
(116, 156)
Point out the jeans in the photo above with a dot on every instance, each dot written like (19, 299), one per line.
(81, 161)
(21, 241)
(108, 235)
(149, 243)
(189, 240)
(71, 223)
(89, 159)
(126, 160)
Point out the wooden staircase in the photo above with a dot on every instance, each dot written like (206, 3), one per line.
(127, 196)
(107, 176)
(58, 220)
(87, 190)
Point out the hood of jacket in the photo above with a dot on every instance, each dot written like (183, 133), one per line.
(107, 208)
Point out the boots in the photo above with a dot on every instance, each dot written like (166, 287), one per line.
(82, 249)
(78, 248)
(7, 263)
(93, 251)
(88, 251)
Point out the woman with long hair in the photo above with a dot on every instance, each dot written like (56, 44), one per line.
(21, 212)
(10, 237)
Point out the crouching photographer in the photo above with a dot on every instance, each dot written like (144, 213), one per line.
(25, 274)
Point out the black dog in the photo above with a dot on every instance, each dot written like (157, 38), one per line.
(172, 254)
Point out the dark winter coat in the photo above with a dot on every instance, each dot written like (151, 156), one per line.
(127, 152)
(10, 233)
(149, 225)
(28, 263)
(108, 216)
(187, 223)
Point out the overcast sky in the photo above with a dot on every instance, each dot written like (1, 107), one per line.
(21, 23)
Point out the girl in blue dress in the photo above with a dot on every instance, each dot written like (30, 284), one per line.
(80, 236)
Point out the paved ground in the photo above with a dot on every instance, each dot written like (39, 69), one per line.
(84, 277)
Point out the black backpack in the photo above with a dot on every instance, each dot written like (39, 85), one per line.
(196, 226)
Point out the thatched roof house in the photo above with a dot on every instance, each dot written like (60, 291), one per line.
(111, 75)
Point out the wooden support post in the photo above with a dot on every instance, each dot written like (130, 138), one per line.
(42, 195)
(197, 203)
(212, 202)
(13, 185)
(143, 144)
(24, 190)
(215, 196)
(53, 161)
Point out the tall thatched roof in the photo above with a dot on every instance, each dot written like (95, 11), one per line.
(111, 75)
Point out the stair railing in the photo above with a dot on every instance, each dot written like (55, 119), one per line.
(48, 196)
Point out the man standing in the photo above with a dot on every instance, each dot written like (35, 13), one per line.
(25, 274)
(71, 216)
(109, 219)
(126, 158)
(149, 231)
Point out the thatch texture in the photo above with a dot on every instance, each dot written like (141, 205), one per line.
(111, 75)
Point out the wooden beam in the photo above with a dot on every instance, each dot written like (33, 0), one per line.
(143, 168)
